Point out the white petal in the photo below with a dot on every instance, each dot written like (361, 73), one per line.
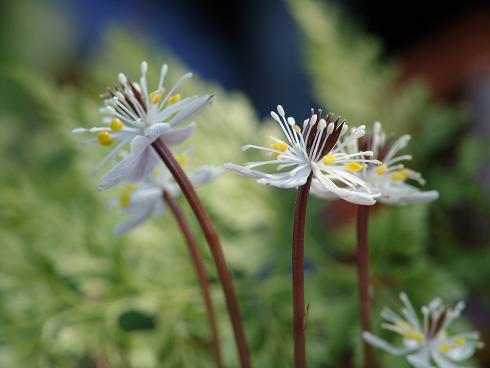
(402, 194)
(139, 144)
(156, 130)
(134, 221)
(420, 359)
(193, 108)
(132, 168)
(244, 171)
(177, 135)
(383, 344)
(326, 185)
(204, 175)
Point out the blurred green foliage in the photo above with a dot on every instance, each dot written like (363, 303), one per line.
(73, 295)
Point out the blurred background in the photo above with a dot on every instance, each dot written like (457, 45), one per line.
(73, 295)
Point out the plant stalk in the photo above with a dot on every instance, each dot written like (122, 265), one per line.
(299, 317)
(201, 274)
(214, 246)
(363, 275)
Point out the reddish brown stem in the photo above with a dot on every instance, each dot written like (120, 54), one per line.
(299, 318)
(363, 274)
(214, 246)
(201, 274)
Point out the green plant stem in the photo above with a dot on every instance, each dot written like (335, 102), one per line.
(299, 318)
(363, 275)
(214, 246)
(201, 274)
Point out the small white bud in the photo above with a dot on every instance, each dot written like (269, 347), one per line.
(322, 124)
(122, 78)
(275, 116)
(330, 128)
(280, 110)
(291, 121)
(313, 119)
(144, 67)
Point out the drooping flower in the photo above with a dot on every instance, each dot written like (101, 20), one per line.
(309, 150)
(426, 343)
(389, 179)
(136, 116)
(143, 200)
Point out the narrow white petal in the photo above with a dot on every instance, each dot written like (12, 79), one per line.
(175, 136)
(383, 344)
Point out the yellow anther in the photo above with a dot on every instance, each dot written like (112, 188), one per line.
(181, 158)
(419, 337)
(381, 170)
(105, 138)
(131, 186)
(155, 97)
(174, 99)
(444, 348)
(124, 199)
(353, 166)
(399, 176)
(116, 125)
(329, 159)
(296, 128)
(459, 341)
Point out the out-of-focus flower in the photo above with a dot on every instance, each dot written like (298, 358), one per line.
(139, 117)
(143, 200)
(390, 178)
(310, 150)
(427, 342)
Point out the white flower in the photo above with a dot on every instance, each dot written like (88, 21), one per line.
(390, 178)
(308, 151)
(143, 200)
(139, 117)
(427, 342)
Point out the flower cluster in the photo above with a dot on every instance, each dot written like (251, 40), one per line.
(136, 116)
(427, 341)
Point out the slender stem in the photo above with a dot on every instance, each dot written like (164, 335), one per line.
(299, 320)
(200, 271)
(214, 246)
(363, 274)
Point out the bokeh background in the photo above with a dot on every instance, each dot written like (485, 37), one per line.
(73, 295)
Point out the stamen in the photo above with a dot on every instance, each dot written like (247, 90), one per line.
(116, 125)
(105, 138)
(459, 341)
(155, 97)
(444, 348)
(279, 146)
(181, 158)
(174, 99)
(280, 110)
(354, 166)
(329, 159)
(381, 170)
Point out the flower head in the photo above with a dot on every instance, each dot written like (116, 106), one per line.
(136, 116)
(308, 151)
(143, 200)
(389, 179)
(427, 342)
